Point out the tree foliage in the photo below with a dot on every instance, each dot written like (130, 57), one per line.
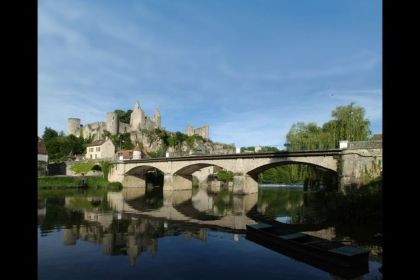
(49, 134)
(225, 176)
(59, 146)
(348, 123)
(125, 141)
(123, 116)
(105, 165)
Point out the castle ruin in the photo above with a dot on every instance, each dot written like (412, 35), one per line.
(138, 120)
(202, 131)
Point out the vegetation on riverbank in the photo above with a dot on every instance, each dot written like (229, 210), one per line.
(225, 176)
(359, 207)
(66, 182)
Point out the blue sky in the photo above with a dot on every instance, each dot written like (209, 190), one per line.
(248, 69)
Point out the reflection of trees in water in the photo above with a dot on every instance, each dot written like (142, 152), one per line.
(154, 198)
(131, 235)
(280, 202)
(356, 216)
(223, 202)
(353, 215)
(58, 216)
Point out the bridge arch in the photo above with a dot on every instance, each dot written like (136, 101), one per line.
(259, 165)
(136, 176)
(190, 169)
(141, 171)
(96, 167)
(328, 178)
(254, 172)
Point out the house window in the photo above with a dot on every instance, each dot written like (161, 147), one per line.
(98, 149)
(90, 149)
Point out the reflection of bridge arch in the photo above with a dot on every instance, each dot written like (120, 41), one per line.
(176, 207)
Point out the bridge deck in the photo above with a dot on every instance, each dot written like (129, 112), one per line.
(236, 156)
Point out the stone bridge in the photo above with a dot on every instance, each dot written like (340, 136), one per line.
(351, 165)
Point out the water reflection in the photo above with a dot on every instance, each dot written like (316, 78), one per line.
(134, 222)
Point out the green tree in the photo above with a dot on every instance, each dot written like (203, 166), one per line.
(151, 136)
(350, 123)
(123, 116)
(163, 135)
(225, 176)
(49, 134)
(124, 141)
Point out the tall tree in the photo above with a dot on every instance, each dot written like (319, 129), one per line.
(348, 123)
(49, 134)
(351, 123)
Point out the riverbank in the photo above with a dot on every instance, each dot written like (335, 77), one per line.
(362, 206)
(69, 182)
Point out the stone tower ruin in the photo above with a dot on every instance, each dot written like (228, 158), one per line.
(112, 122)
(73, 126)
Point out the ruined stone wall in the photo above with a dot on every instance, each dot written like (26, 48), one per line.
(202, 131)
(96, 129)
(124, 128)
(112, 122)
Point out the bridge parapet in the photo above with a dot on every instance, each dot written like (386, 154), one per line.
(376, 144)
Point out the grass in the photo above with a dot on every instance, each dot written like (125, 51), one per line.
(58, 183)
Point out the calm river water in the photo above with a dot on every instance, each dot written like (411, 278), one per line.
(150, 234)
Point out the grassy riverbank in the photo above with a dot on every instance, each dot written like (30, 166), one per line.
(67, 182)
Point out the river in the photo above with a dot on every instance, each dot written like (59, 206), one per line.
(195, 234)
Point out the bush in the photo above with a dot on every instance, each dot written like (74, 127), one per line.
(225, 176)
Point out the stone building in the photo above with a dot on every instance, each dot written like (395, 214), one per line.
(138, 120)
(100, 149)
(201, 131)
(42, 151)
(136, 153)
(42, 158)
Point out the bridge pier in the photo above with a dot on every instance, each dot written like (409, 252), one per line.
(176, 182)
(244, 184)
(359, 167)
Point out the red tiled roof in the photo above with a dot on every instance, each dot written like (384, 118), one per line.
(127, 154)
(96, 143)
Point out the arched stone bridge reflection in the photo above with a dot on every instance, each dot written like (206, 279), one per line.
(182, 206)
